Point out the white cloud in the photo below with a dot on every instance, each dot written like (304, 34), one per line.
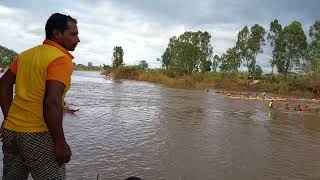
(103, 26)
(5, 11)
(17, 28)
(106, 26)
(142, 28)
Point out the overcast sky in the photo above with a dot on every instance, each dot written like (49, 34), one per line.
(143, 27)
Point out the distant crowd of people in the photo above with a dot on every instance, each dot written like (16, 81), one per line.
(287, 107)
(298, 107)
(235, 94)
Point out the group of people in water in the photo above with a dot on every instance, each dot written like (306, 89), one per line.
(287, 107)
(248, 96)
(296, 107)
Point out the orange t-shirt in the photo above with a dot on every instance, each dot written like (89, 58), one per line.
(58, 70)
(48, 61)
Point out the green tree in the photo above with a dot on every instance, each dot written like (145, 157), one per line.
(230, 62)
(274, 32)
(117, 58)
(256, 42)
(258, 72)
(143, 64)
(249, 45)
(188, 53)
(206, 66)
(290, 48)
(168, 56)
(215, 63)
(5, 62)
(105, 67)
(184, 59)
(314, 48)
(242, 46)
(90, 64)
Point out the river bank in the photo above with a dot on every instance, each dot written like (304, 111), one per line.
(290, 86)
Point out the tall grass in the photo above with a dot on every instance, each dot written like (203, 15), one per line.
(293, 85)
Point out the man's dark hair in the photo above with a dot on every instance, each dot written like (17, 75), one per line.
(59, 22)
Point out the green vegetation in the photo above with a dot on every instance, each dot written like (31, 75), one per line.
(6, 56)
(89, 67)
(187, 62)
(143, 64)
(290, 49)
(190, 52)
(248, 46)
(291, 53)
(289, 85)
(117, 58)
(313, 52)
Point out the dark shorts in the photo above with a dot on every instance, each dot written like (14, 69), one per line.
(32, 153)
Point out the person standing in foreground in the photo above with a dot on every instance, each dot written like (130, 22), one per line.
(32, 130)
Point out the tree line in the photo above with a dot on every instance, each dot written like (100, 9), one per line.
(291, 51)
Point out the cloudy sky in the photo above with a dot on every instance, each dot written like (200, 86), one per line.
(143, 27)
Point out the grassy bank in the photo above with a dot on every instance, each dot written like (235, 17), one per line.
(88, 69)
(291, 85)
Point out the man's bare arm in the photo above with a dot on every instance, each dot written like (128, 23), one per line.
(6, 91)
(53, 115)
(52, 108)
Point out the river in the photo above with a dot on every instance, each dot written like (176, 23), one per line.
(131, 128)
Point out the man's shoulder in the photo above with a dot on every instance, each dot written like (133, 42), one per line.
(30, 50)
(41, 49)
(48, 49)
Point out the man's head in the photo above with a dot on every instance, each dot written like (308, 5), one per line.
(63, 30)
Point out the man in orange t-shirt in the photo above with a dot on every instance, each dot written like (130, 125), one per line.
(32, 130)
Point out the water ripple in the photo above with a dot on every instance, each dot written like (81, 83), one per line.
(129, 128)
